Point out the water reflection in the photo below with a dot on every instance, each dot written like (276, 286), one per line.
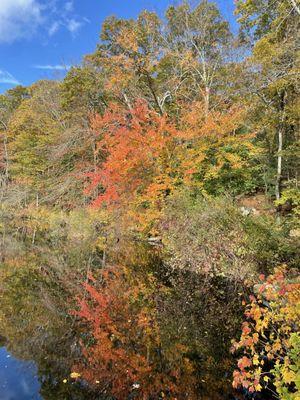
(18, 379)
(139, 331)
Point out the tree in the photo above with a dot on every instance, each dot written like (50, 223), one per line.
(9, 102)
(144, 157)
(127, 58)
(198, 40)
(218, 151)
(273, 29)
(138, 149)
(31, 130)
(81, 93)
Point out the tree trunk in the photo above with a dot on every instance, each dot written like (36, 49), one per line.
(280, 147)
(127, 101)
(150, 85)
(279, 164)
(206, 101)
(6, 158)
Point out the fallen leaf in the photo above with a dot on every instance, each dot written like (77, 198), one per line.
(75, 375)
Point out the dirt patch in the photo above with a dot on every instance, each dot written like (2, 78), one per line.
(257, 204)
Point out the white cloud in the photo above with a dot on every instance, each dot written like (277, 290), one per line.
(66, 17)
(53, 67)
(18, 19)
(6, 77)
(73, 26)
(53, 28)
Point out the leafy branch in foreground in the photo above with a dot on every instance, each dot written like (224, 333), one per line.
(270, 339)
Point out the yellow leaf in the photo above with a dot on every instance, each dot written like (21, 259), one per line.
(75, 375)
(258, 388)
(288, 376)
(255, 360)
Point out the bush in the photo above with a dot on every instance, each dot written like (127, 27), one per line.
(270, 339)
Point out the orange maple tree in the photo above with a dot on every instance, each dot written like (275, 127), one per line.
(138, 148)
(146, 157)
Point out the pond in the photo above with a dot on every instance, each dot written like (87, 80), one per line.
(136, 329)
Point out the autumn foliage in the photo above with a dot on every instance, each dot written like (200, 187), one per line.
(270, 338)
(176, 136)
(144, 156)
(138, 147)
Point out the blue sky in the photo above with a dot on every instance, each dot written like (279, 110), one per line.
(41, 38)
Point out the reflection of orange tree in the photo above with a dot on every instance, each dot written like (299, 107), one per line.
(125, 354)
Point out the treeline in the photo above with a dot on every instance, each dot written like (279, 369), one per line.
(177, 131)
(219, 113)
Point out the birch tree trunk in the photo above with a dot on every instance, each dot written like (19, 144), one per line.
(280, 147)
(279, 164)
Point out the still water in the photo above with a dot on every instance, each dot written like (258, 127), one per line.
(138, 331)
(18, 379)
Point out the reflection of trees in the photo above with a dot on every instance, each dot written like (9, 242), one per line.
(202, 314)
(148, 338)
(38, 328)
(2, 341)
(151, 330)
(124, 353)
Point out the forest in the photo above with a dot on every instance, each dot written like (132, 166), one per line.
(150, 211)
